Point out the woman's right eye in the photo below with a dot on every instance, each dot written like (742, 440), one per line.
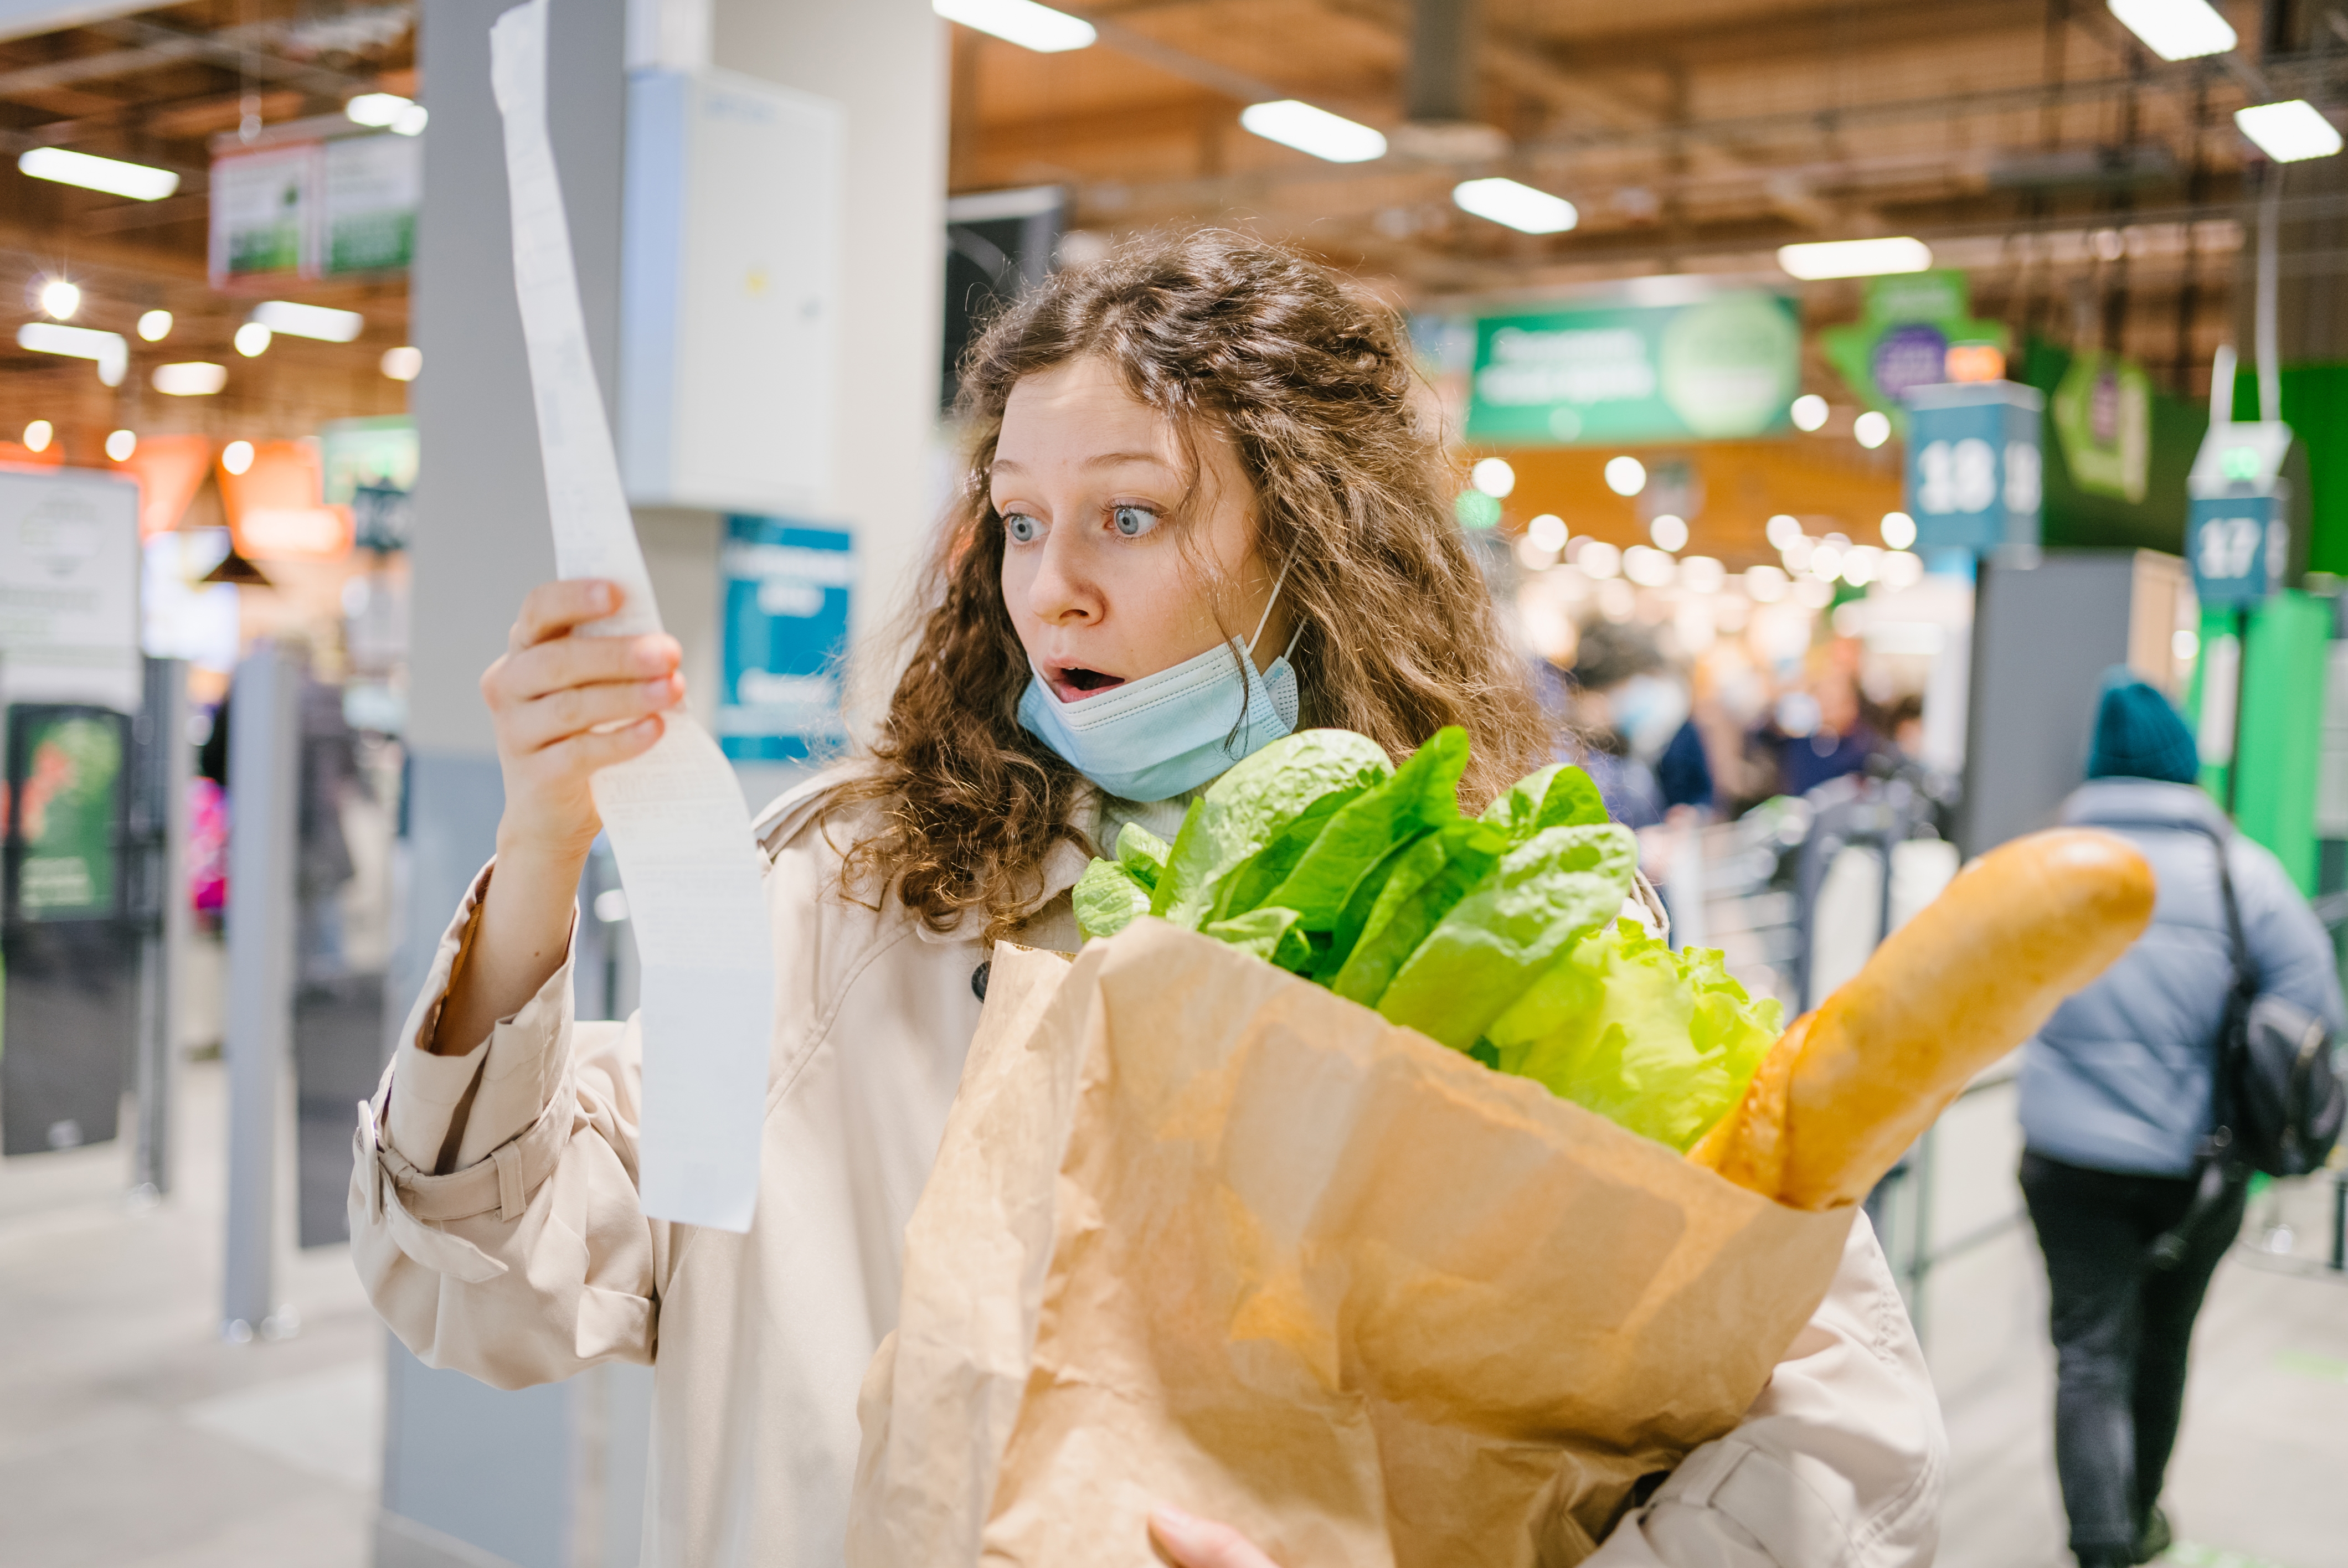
(1023, 528)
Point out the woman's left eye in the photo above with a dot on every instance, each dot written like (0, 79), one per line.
(1133, 521)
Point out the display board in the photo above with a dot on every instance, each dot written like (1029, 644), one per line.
(1724, 367)
(69, 570)
(785, 600)
(71, 1002)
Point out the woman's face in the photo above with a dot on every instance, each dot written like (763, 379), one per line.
(1115, 564)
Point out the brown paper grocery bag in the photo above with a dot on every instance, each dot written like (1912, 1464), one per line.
(1206, 1234)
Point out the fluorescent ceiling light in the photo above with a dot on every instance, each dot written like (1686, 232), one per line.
(2290, 131)
(1854, 258)
(1020, 21)
(1520, 207)
(2176, 29)
(376, 108)
(308, 320)
(111, 175)
(1316, 131)
(113, 355)
(190, 378)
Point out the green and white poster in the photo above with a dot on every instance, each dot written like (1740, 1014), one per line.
(1721, 368)
(373, 186)
(68, 813)
(2103, 417)
(262, 206)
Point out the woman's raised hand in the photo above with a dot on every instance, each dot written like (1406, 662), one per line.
(1201, 1543)
(565, 706)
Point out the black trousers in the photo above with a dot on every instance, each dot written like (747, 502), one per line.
(2121, 1327)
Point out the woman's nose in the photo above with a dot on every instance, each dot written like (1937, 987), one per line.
(1062, 592)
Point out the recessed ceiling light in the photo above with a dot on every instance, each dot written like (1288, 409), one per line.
(1020, 21)
(1516, 206)
(113, 355)
(1327, 136)
(1854, 258)
(2290, 131)
(137, 180)
(309, 321)
(190, 378)
(2176, 29)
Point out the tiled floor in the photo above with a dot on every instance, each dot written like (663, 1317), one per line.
(131, 1437)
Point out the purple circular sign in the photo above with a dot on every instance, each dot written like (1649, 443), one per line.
(1911, 354)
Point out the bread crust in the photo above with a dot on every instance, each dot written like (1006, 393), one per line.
(1851, 1086)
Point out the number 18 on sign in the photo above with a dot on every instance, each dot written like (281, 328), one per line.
(1973, 464)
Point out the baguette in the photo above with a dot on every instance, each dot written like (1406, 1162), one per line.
(1848, 1087)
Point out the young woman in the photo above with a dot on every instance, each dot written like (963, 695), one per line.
(1200, 510)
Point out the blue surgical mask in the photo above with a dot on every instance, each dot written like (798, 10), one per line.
(1166, 734)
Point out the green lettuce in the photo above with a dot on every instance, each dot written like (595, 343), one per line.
(1108, 898)
(1554, 889)
(1660, 1042)
(1142, 853)
(1557, 796)
(1428, 879)
(1424, 792)
(1243, 810)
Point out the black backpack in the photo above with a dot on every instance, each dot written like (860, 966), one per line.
(2277, 1099)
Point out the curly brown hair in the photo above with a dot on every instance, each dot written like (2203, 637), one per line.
(1312, 381)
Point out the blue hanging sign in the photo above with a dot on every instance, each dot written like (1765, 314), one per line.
(2237, 547)
(786, 590)
(1974, 464)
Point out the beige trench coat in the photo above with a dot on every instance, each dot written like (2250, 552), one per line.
(530, 1259)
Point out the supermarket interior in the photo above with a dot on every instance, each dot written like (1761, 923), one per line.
(1858, 414)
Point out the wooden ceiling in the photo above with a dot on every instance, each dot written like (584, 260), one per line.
(2089, 188)
(160, 87)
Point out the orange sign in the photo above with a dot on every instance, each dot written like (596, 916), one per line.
(276, 508)
(169, 470)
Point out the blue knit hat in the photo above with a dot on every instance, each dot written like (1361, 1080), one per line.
(2139, 736)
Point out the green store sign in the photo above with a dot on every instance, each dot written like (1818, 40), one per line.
(1723, 368)
(1907, 326)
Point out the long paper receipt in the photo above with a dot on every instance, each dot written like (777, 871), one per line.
(675, 814)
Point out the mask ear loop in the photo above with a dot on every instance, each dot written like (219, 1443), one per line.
(1266, 620)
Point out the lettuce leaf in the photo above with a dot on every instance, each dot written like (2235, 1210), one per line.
(1142, 853)
(1557, 796)
(1556, 887)
(1428, 879)
(1270, 933)
(1249, 885)
(1424, 792)
(1108, 898)
(1660, 1042)
(1243, 809)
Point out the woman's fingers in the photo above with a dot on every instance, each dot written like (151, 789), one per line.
(1203, 1543)
(534, 725)
(567, 662)
(553, 608)
(592, 749)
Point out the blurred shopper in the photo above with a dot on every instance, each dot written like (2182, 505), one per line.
(2115, 1099)
(1635, 728)
(1199, 506)
(1820, 732)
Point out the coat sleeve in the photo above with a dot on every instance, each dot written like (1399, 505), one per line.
(2289, 944)
(1838, 1464)
(494, 1215)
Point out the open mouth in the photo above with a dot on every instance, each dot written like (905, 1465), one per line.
(1072, 685)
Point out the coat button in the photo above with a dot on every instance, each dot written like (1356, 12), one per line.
(978, 979)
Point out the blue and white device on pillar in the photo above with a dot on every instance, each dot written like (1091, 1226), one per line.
(786, 590)
(2237, 540)
(1974, 466)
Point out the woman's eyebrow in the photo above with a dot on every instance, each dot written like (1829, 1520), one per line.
(1100, 460)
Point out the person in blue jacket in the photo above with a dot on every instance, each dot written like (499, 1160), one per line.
(2116, 1099)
